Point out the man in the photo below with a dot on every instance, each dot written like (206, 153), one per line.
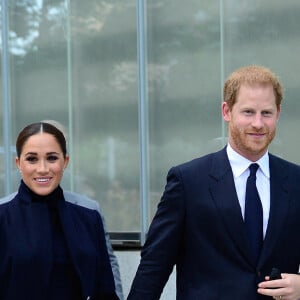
(200, 225)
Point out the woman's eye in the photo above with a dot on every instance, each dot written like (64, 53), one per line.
(31, 158)
(52, 158)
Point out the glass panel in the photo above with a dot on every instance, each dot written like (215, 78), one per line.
(267, 33)
(184, 85)
(38, 64)
(77, 65)
(105, 106)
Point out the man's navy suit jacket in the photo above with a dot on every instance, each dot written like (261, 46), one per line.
(198, 227)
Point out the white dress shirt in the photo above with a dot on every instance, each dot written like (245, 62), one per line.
(240, 169)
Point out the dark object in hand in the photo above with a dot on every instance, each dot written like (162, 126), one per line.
(275, 274)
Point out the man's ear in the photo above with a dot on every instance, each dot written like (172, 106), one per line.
(226, 112)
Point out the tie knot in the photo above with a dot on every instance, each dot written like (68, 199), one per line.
(253, 168)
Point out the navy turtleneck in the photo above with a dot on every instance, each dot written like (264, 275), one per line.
(64, 283)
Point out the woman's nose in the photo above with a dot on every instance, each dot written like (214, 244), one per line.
(42, 167)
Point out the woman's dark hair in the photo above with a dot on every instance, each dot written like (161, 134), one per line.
(40, 127)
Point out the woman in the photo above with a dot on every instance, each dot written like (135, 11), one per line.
(51, 249)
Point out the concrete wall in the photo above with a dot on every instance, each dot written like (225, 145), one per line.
(128, 262)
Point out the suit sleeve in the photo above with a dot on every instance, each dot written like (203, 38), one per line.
(162, 247)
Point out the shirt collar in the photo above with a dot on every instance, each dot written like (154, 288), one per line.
(239, 164)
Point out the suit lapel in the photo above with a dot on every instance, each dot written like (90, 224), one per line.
(224, 194)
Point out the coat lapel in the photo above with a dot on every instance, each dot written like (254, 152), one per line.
(81, 247)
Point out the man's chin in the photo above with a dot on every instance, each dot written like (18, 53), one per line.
(257, 151)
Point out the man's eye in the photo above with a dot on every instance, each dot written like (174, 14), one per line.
(248, 112)
(267, 113)
(52, 158)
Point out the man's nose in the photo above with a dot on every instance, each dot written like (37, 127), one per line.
(257, 121)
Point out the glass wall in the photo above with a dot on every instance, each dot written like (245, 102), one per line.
(137, 86)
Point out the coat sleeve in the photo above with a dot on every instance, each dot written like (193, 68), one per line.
(93, 204)
(113, 261)
(105, 287)
(112, 257)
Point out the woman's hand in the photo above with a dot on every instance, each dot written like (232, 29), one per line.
(287, 288)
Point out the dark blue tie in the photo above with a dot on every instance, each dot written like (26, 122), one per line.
(253, 214)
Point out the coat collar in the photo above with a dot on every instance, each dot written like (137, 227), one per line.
(26, 195)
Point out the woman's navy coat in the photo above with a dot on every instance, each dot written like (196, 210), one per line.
(26, 249)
